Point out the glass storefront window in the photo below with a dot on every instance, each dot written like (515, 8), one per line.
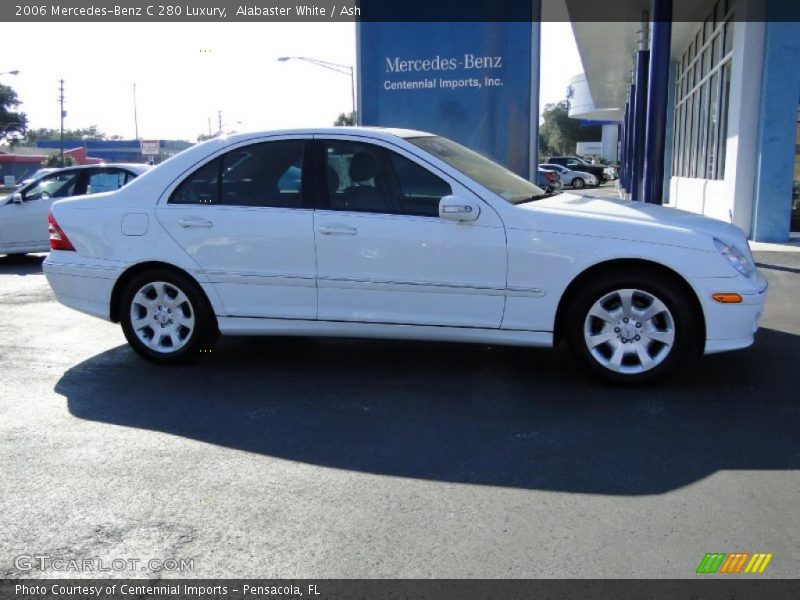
(713, 121)
(701, 99)
(724, 97)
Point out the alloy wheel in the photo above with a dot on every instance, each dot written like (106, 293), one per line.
(162, 317)
(629, 331)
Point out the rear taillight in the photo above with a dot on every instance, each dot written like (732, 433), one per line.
(58, 239)
(550, 175)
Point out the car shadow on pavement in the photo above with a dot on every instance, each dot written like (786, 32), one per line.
(21, 264)
(459, 413)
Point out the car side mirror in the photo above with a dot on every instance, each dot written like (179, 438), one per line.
(455, 208)
(16, 198)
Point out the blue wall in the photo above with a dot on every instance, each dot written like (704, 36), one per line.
(780, 95)
(492, 119)
(115, 150)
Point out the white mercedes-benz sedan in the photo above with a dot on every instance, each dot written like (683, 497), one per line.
(360, 232)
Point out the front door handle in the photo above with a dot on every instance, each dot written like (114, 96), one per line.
(195, 223)
(337, 229)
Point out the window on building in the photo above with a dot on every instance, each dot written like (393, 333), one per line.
(702, 94)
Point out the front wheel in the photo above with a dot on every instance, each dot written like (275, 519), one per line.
(630, 329)
(166, 317)
(578, 183)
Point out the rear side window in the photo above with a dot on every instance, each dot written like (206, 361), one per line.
(106, 180)
(201, 187)
(269, 174)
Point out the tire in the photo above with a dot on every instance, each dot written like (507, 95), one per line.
(644, 342)
(173, 311)
(578, 183)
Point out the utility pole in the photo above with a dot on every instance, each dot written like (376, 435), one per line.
(135, 116)
(63, 114)
(219, 118)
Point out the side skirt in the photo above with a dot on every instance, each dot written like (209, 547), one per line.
(299, 327)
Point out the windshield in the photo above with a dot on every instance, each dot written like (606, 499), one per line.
(489, 174)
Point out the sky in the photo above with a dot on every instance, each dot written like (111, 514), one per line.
(185, 73)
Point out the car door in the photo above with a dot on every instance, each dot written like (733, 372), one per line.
(383, 253)
(25, 223)
(245, 218)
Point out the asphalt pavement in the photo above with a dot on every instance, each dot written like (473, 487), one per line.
(340, 458)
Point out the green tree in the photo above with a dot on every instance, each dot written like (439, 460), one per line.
(558, 134)
(345, 119)
(207, 136)
(91, 133)
(54, 160)
(12, 122)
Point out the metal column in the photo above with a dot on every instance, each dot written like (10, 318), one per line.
(657, 93)
(639, 125)
(629, 142)
(625, 154)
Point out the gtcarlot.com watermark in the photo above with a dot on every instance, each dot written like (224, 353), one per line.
(48, 562)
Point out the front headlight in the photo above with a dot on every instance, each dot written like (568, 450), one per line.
(736, 258)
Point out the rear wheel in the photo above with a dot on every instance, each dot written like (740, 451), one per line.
(631, 328)
(166, 318)
(578, 183)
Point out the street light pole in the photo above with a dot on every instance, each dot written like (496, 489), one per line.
(61, 102)
(135, 113)
(343, 69)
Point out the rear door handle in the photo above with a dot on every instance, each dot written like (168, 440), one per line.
(337, 229)
(195, 223)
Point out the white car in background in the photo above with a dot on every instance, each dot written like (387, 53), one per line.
(397, 234)
(575, 179)
(23, 213)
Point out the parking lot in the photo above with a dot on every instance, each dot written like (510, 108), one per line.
(606, 190)
(340, 458)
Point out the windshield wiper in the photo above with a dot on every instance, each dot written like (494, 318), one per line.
(525, 199)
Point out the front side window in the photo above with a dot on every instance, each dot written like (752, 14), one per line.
(268, 174)
(367, 178)
(57, 185)
(477, 167)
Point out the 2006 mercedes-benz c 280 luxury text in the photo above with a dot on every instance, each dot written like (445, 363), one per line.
(365, 232)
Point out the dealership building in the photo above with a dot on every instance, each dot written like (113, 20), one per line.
(698, 99)
(707, 92)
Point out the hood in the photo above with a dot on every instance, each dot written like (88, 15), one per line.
(636, 221)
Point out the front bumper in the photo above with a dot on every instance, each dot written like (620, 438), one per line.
(731, 326)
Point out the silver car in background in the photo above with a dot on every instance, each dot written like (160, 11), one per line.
(576, 179)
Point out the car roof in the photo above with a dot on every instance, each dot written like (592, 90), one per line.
(379, 132)
(138, 167)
